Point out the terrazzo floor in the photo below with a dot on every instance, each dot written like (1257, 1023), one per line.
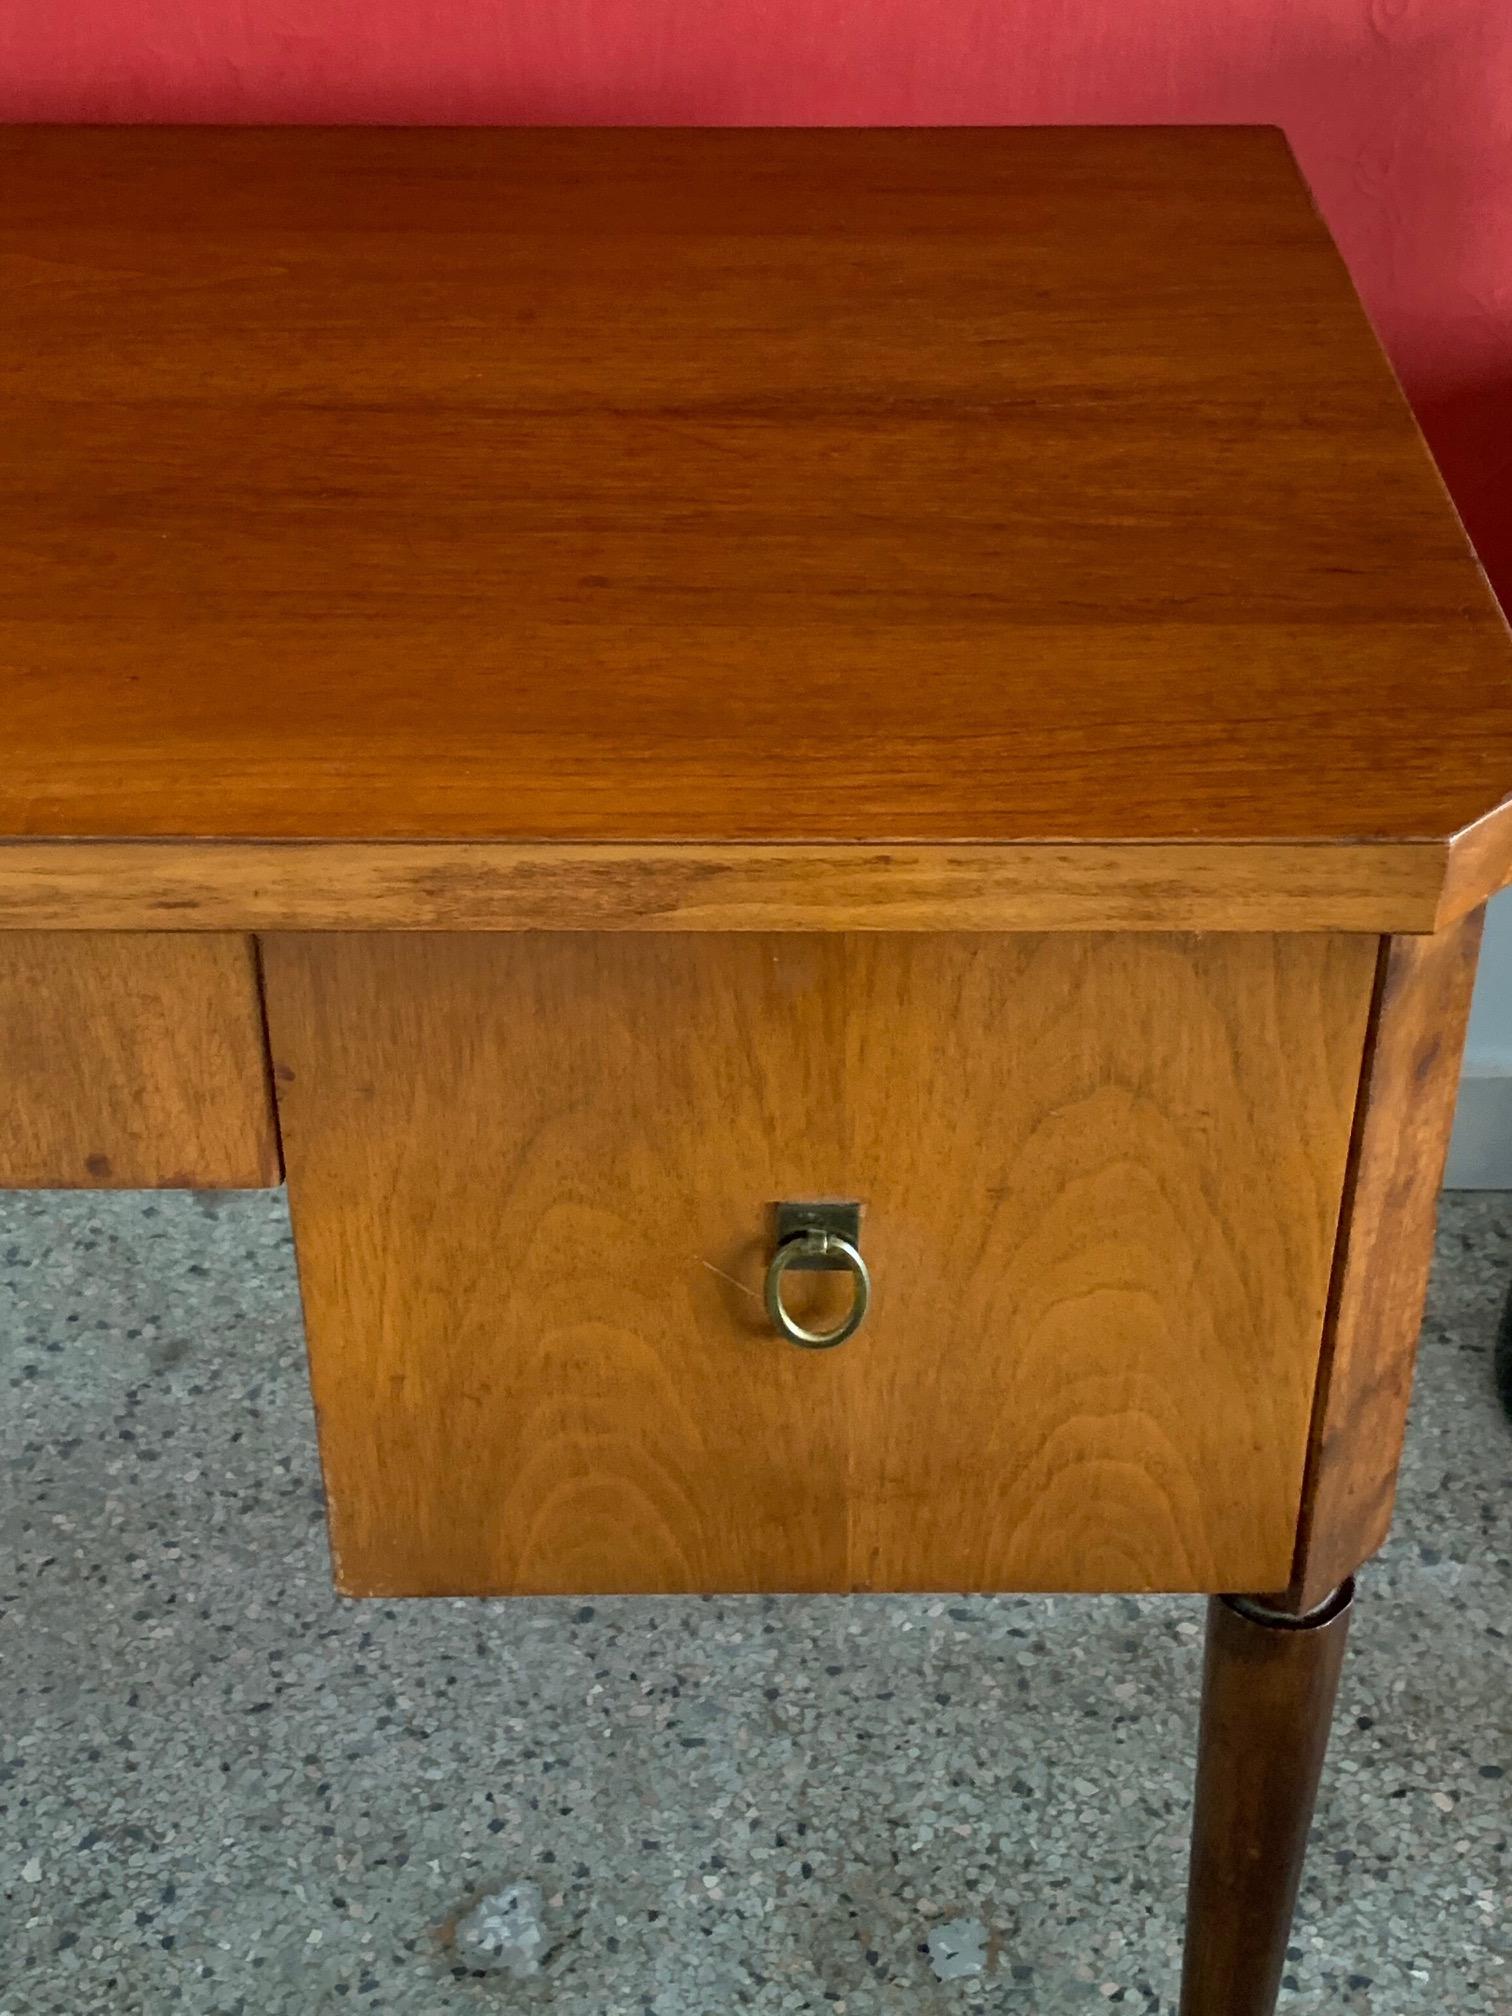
(223, 1790)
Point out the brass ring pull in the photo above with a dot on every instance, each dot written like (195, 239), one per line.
(818, 1249)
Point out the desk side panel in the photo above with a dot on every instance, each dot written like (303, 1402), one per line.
(1401, 1139)
(133, 1061)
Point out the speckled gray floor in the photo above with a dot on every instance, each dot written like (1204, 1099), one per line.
(222, 1790)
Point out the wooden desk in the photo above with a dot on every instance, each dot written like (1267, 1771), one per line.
(572, 688)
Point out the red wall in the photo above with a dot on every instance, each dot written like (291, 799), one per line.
(1401, 111)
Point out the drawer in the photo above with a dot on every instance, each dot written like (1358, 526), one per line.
(133, 1060)
(533, 1180)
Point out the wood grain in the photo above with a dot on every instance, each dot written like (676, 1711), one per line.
(530, 1179)
(1480, 864)
(433, 886)
(1401, 1139)
(133, 1062)
(782, 487)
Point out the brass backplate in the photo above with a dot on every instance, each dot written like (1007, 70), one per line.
(842, 1219)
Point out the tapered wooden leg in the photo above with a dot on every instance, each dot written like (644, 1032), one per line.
(1267, 1702)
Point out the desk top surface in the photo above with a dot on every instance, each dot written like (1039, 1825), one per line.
(716, 486)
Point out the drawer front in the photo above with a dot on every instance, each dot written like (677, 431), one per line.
(133, 1060)
(532, 1181)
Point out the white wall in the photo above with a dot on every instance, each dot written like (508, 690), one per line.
(1480, 1157)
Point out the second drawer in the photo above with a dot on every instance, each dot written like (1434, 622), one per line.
(533, 1177)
